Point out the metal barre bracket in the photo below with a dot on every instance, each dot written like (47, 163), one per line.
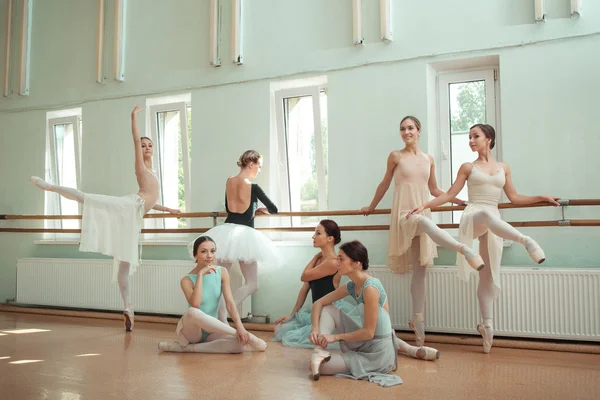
(563, 202)
(564, 222)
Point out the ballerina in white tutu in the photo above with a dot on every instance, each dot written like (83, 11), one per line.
(112, 225)
(485, 179)
(237, 239)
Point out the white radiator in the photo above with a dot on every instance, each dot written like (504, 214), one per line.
(85, 283)
(534, 302)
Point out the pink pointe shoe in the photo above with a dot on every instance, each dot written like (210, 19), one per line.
(318, 357)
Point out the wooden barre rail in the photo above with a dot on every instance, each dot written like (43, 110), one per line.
(573, 202)
(576, 222)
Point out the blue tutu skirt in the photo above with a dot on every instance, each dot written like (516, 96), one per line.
(295, 332)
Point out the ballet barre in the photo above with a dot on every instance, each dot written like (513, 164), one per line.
(214, 215)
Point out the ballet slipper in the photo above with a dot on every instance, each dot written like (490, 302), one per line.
(418, 319)
(318, 357)
(428, 353)
(128, 318)
(487, 332)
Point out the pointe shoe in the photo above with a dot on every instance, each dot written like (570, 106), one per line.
(318, 357)
(419, 338)
(488, 337)
(128, 318)
(476, 262)
(39, 182)
(257, 343)
(474, 259)
(535, 251)
(428, 353)
(171, 346)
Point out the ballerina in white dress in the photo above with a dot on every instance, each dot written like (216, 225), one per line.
(485, 179)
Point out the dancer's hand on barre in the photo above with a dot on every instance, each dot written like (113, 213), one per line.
(281, 320)
(136, 110)
(459, 202)
(242, 335)
(263, 210)
(173, 210)
(209, 269)
(367, 210)
(550, 199)
(415, 211)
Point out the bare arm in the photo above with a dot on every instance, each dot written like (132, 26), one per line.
(371, 310)
(229, 302)
(382, 188)
(459, 183)
(311, 264)
(193, 293)
(167, 209)
(140, 167)
(325, 268)
(433, 187)
(515, 198)
(301, 297)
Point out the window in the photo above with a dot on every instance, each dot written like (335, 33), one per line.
(170, 130)
(301, 115)
(465, 99)
(63, 166)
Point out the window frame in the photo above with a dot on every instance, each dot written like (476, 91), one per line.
(443, 156)
(153, 111)
(285, 199)
(52, 200)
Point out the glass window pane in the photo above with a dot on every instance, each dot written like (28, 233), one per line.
(467, 107)
(169, 165)
(64, 142)
(300, 141)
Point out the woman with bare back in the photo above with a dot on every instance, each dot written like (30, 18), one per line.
(237, 239)
(112, 225)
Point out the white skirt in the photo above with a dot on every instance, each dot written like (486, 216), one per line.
(242, 243)
(112, 226)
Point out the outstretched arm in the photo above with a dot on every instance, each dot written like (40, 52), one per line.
(140, 168)
(515, 198)
(167, 209)
(299, 303)
(433, 187)
(384, 185)
(459, 183)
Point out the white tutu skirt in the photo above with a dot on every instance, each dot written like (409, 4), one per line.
(242, 243)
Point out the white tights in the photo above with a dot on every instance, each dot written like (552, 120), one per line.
(250, 273)
(69, 193)
(417, 286)
(222, 337)
(483, 221)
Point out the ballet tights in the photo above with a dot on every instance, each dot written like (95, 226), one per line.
(123, 280)
(250, 273)
(69, 193)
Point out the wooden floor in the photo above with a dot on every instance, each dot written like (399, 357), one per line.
(75, 358)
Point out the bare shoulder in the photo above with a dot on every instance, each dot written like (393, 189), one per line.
(504, 166)
(466, 168)
(395, 156)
